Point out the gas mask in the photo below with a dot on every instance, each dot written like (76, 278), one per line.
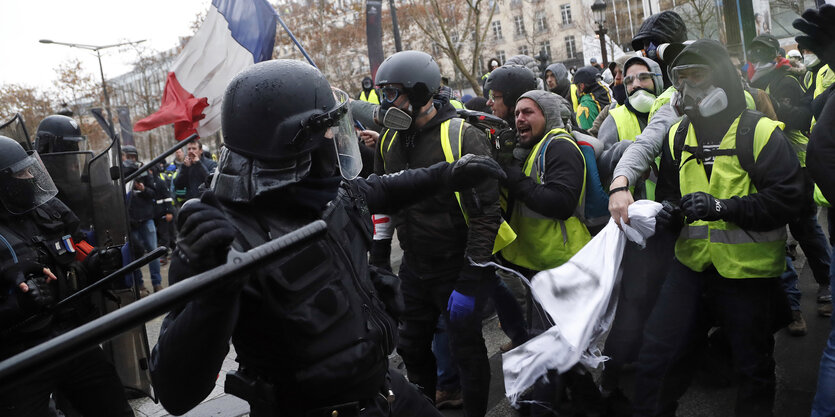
(642, 100)
(707, 102)
(696, 94)
(366, 85)
(390, 116)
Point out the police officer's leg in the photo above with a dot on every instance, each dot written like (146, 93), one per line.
(745, 309)
(468, 348)
(420, 318)
(92, 386)
(674, 333)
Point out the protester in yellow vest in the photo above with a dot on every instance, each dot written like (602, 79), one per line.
(368, 93)
(546, 184)
(738, 181)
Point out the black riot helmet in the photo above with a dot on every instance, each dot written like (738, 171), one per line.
(282, 122)
(416, 71)
(512, 81)
(24, 181)
(58, 133)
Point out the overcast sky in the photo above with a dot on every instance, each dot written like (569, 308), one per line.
(93, 22)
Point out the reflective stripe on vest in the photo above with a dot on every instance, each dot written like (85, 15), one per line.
(452, 152)
(734, 252)
(371, 97)
(545, 242)
(663, 99)
(626, 122)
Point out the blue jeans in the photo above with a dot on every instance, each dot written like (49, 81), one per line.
(789, 280)
(824, 403)
(447, 369)
(146, 234)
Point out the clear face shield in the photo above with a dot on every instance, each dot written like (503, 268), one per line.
(26, 185)
(340, 124)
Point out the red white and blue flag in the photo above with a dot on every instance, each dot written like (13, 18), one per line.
(235, 35)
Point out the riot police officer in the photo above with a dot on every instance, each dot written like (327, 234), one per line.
(58, 133)
(311, 331)
(38, 267)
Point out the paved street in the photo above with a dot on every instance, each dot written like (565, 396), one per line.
(797, 364)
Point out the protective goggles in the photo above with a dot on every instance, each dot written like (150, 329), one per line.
(642, 76)
(695, 75)
(390, 94)
(494, 97)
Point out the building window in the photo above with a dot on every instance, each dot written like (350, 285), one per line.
(497, 30)
(570, 47)
(501, 56)
(523, 50)
(565, 12)
(545, 46)
(519, 24)
(541, 22)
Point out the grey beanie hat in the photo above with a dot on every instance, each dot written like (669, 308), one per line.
(551, 106)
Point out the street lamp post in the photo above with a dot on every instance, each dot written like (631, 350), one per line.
(97, 50)
(598, 9)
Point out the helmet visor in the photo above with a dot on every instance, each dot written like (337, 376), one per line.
(345, 138)
(25, 185)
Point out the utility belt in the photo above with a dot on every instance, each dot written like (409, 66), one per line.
(264, 399)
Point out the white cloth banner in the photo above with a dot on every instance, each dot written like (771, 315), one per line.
(581, 297)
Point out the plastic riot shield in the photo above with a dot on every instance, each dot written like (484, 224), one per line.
(70, 171)
(129, 351)
(109, 213)
(15, 128)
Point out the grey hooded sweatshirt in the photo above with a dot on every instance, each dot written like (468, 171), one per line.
(557, 197)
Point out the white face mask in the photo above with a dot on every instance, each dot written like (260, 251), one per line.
(642, 100)
(810, 59)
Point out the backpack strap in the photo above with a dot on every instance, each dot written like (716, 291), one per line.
(679, 138)
(745, 141)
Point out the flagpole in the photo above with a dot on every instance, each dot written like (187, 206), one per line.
(296, 41)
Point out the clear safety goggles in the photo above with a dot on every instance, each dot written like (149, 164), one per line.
(641, 76)
(390, 93)
(695, 75)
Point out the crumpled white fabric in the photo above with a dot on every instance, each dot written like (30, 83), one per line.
(581, 298)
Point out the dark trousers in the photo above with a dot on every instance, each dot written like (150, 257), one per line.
(810, 236)
(510, 313)
(425, 301)
(689, 304)
(643, 274)
(166, 233)
(89, 382)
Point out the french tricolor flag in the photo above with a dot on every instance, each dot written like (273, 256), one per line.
(235, 35)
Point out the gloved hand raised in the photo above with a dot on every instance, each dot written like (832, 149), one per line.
(669, 217)
(702, 206)
(819, 27)
(205, 234)
(471, 170)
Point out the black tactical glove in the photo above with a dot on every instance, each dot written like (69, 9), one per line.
(39, 295)
(819, 27)
(703, 206)
(513, 174)
(472, 170)
(670, 217)
(101, 262)
(205, 234)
